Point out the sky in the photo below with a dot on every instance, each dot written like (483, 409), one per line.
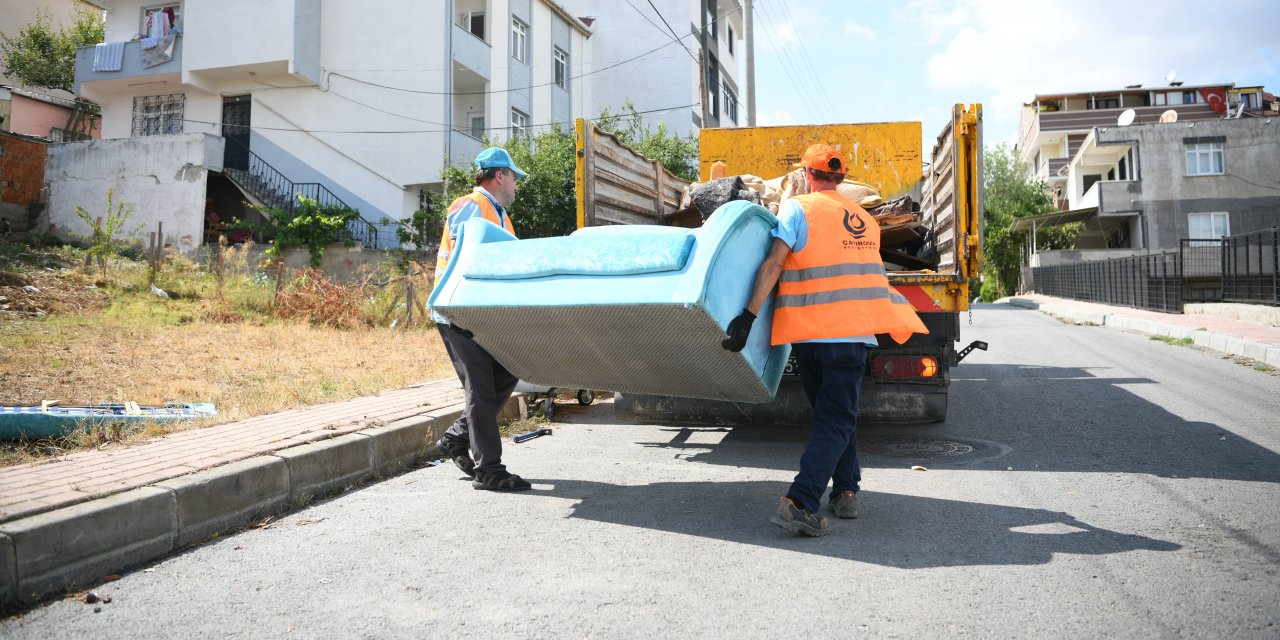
(827, 61)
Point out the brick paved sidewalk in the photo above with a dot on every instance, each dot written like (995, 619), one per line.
(33, 488)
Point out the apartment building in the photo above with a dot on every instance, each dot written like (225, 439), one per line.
(664, 84)
(206, 103)
(1145, 168)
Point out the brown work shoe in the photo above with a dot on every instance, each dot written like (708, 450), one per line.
(844, 504)
(795, 519)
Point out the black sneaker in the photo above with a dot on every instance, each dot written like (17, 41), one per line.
(459, 452)
(795, 519)
(500, 481)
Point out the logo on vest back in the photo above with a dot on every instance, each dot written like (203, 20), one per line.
(855, 225)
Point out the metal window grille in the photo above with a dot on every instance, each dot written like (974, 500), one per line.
(158, 115)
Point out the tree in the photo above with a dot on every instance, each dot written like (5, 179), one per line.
(546, 203)
(1009, 193)
(678, 154)
(39, 56)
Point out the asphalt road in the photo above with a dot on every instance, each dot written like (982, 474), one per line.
(1100, 484)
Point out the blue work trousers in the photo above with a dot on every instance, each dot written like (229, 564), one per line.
(831, 373)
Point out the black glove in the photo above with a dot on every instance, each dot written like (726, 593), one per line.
(738, 331)
(466, 334)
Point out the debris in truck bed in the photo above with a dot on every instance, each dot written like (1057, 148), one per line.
(709, 196)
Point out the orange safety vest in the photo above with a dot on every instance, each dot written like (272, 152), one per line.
(835, 287)
(446, 240)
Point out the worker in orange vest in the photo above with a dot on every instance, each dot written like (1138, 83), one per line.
(833, 297)
(485, 382)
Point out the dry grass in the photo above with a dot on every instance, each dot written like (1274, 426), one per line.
(119, 342)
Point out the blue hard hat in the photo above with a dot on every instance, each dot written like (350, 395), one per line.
(497, 157)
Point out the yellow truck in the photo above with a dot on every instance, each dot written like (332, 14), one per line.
(903, 383)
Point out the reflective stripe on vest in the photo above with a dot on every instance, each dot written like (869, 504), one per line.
(489, 213)
(836, 287)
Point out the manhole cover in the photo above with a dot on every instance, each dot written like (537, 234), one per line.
(917, 448)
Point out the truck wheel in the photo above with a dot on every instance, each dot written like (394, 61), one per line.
(586, 397)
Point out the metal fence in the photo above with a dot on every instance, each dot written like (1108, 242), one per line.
(1251, 267)
(1147, 282)
(1201, 262)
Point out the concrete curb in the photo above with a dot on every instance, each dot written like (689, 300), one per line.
(1260, 351)
(73, 547)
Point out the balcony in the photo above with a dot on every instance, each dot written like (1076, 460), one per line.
(472, 52)
(1084, 119)
(1055, 165)
(283, 38)
(1090, 198)
(131, 70)
(1119, 196)
(463, 148)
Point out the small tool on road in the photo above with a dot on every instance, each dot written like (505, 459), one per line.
(531, 435)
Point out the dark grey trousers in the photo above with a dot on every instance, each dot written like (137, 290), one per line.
(488, 386)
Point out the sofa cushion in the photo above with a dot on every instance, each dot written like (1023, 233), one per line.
(586, 254)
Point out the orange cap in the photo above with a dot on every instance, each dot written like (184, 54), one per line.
(821, 157)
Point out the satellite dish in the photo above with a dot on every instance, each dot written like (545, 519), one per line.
(1171, 76)
(1126, 118)
(1169, 117)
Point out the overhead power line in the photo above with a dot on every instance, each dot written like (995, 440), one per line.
(409, 131)
(526, 87)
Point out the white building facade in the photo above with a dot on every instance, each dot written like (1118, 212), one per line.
(365, 100)
(664, 84)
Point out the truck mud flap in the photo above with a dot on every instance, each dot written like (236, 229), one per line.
(879, 404)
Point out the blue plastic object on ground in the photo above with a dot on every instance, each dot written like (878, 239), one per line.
(39, 421)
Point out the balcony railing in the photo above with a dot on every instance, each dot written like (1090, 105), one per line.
(472, 52)
(130, 65)
(1056, 164)
(463, 148)
(1090, 197)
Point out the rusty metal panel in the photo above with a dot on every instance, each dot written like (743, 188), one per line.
(616, 185)
(885, 155)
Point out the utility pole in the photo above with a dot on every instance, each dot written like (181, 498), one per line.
(748, 36)
(702, 64)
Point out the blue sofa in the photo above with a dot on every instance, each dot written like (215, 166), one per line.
(632, 308)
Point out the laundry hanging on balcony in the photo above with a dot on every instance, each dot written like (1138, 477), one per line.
(161, 53)
(108, 56)
(158, 26)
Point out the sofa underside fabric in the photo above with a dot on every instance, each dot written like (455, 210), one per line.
(615, 348)
(635, 309)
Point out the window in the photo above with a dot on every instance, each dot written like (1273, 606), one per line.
(519, 123)
(150, 24)
(477, 127)
(728, 34)
(560, 67)
(1161, 99)
(1105, 103)
(713, 88)
(1208, 226)
(158, 115)
(1204, 158)
(730, 105)
(519, 39)
(711, 19)
(473, 21)
(1191, 97)
(1249, 100)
